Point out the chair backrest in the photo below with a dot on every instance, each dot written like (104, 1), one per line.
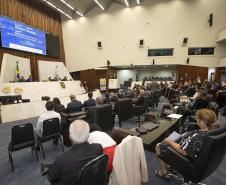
(216, 155)
(210, 157)
(103, 117)
(94, 172)
(22, 133)
(124, 109)
(190, 91)
(51, 128)
(219, 130)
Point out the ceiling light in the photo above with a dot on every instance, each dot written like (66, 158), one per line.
(71, 7)
(79, 13)
(51, 4)
(99, 4)
(127, 4)
(59, 10)
(138, 2)
(64, 13)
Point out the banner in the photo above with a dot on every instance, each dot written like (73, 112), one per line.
(103, 84)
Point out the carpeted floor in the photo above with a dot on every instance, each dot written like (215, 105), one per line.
(27, 170)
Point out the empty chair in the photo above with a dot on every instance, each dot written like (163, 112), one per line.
(22, 137)
(103, 117)
(124, 109)
(94, 172)
(51, 131)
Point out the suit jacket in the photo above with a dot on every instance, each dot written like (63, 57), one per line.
(74, 106)
(88, 103)
(66, 167)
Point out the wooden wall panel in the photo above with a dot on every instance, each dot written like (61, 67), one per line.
(90, 76)
(187, 73)
(36, 14)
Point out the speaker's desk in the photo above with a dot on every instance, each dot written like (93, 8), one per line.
(150, 139)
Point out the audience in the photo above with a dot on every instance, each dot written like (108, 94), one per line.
(190, 143)
(90, 102)
(74, 105)
(66, 167)
(57, 105)
(47, 115)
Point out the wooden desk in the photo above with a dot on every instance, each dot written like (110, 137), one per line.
(151, 138)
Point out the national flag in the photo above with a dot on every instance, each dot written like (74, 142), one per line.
(17, 72)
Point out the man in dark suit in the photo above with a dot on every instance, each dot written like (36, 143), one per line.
(67, 166)
(90, 102)
(74, 105)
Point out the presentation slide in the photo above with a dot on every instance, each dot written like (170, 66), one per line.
(19, 36)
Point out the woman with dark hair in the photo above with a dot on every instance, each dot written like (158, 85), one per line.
(57, 105)
(190, 143)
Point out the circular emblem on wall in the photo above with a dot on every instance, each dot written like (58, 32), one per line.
(6, 90)
(18, 91)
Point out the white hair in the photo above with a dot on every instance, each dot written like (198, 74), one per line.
(79, 131)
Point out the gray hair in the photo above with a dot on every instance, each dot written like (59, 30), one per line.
(79, 131)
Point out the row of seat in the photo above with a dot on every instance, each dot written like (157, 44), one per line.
(22, 136)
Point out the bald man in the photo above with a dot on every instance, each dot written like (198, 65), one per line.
(70, 163)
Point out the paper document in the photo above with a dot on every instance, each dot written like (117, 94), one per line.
(174, 136)
(176, 116)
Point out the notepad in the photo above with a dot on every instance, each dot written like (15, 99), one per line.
(174, 136)
(175, 116)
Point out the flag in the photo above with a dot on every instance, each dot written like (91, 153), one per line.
(17, 72)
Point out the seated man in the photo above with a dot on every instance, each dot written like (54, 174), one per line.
(190, 143)
(74, 105)
(67, 166)
(90, 102)
(47, 115)
(99, 101)
(107, 98)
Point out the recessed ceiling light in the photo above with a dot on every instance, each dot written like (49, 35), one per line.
(99, 4)
(127, 4)
(138, 2)
(71, 7)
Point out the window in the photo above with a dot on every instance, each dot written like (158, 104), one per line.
(160, 52)
(201, 51)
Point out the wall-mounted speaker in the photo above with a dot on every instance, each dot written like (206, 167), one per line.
(188, 60)
(141, 42)
(99, 44)
(210, 20)
(153, 61)
(185, 41)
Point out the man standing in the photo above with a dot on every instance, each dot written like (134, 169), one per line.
(47, 115)
(74, 105)
(67, 166)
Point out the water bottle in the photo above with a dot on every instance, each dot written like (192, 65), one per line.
(158, 118)
(116, 121)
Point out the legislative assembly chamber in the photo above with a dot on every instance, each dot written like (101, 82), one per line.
(112, 92)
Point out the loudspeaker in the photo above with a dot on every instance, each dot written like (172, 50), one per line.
(141, 43)
(99, 44)
(153, 61)
(210, 20)
(185, 40)
(188, 60)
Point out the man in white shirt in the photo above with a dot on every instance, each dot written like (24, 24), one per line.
(47, 115)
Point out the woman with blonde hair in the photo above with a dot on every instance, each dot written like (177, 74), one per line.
(190, 143)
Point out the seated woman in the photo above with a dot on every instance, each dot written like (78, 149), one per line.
(190, 143)
(57, 105)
